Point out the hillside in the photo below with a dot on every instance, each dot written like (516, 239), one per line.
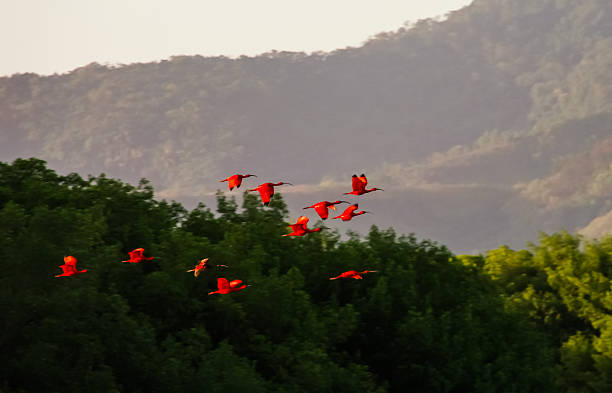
(483, 128)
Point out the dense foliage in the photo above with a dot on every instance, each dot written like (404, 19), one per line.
(427, 321)
(508, 102)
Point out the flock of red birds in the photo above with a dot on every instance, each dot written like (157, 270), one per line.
(266, 190)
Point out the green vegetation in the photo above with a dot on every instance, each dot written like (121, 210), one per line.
(534, 320)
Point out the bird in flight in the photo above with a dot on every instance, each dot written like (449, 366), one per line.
(235, 180)
(359, 185)
(203, 265)
(300, 229)
(69, 267)
(225, 287)
(137, 257)
(353, 274)
(350, 212)
(266, 191)
(322, 208)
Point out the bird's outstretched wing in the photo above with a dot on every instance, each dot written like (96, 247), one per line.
(296, 227)
(222, 284)
(363, 180)
(235, 283)
(322, 211)
(356, 183)
(349, 210)
(266, 193)
(68, 269)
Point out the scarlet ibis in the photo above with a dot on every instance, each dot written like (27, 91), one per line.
(322, 208)
(359, 185)
(353, 274)
(300, 229)
(137, 257)
(266, 191)
(235, 180)
(349, 213)
(224, 287)
(203, 265)
(69, 267)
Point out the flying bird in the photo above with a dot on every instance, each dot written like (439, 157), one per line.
(69, 267)
(266, 191)
(353, 274)
(359, 185)
(137, 257)
(350, 212)
(224, 287)
(203, 265)
(235, 180)
(322, 208)
(300, 229)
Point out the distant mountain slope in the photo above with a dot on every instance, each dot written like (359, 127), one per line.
(496, 119)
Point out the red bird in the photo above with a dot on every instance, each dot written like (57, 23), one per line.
(266, 191)
(203, 265)
(235, 180)
(353, 274)
(322, 208)
(359, 186)
(69, 267)
(225, 287)
(349, 213)
(137, 257)
(299, 228)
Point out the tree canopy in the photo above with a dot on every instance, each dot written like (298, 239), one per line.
(428, 319)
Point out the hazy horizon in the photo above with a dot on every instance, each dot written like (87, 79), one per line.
(71, 34)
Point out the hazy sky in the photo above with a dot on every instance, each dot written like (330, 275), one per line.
(47, 36)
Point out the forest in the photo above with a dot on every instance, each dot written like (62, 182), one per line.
(530, 320)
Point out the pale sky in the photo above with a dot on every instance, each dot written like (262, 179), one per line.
(48, 36)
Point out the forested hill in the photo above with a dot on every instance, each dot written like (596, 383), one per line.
(483, 128)
(535, 320)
